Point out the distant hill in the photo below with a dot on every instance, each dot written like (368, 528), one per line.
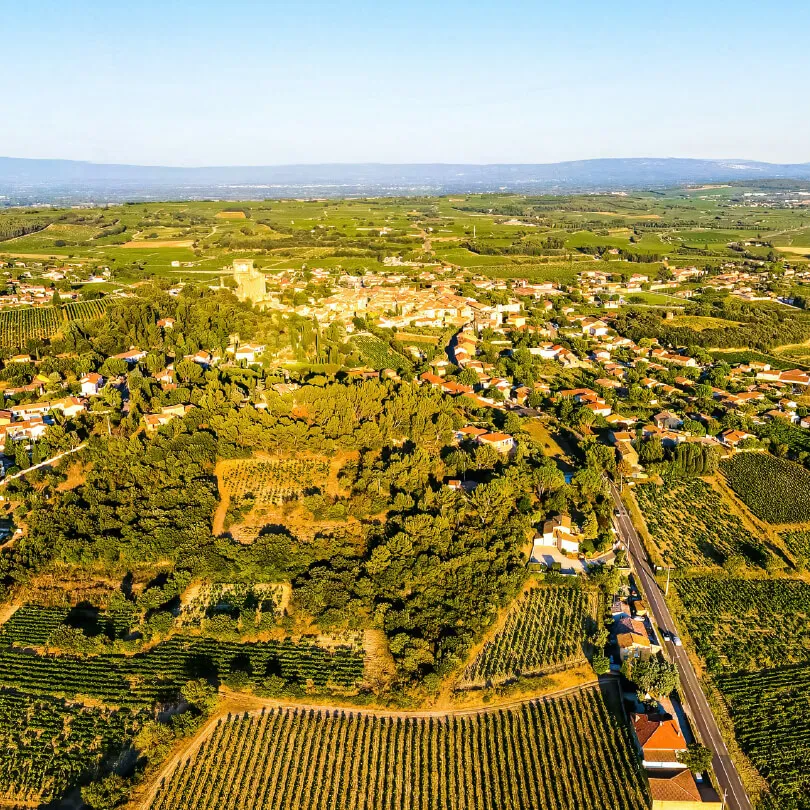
(55, 180)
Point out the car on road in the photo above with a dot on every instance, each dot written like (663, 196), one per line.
(676, 640)
(617, 512)
(665, 634)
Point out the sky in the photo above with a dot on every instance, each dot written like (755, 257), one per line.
(264, 83)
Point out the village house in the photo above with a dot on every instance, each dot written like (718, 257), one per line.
(660, 740)
(502, 442)
(732, 438)
(636, 639)
(666, 420)
(247, 352)
(91, 384)
(678, 790)
(153, 421)
(131, 356)
(560, 533)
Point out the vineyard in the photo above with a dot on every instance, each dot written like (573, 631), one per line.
(692, 525)
(544, 632)
(771, 714)
(143, 679)
(741, 624)
(31, 625)
(271, 482)
(775, 490)
(556, 754)
(798, 544)
(20, 325)
(46, 745)
(377, 354)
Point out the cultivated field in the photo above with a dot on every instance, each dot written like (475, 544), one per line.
(544, 632)
(775, 490)
(46, 742)
(272, 481)
(771, 714)
(555, 754)
(140, 680)
(20, 325)
(378, 354)
(740, 624)
(692, 525)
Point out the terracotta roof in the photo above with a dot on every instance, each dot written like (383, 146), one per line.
(471, 430)
(495, 437)
(658, 733)
(678, 787)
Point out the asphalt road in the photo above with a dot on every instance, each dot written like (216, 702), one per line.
(700, 713)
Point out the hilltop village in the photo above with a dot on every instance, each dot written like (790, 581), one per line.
(508, 345)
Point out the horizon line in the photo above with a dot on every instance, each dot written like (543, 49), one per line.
(397, 163)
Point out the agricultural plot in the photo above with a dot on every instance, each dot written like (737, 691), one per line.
(271, 482)
(20, 325)
(743, 624)
(798, 544)
(32, 625)
(692, 525)
(544, 632)
(735, 357)
(771, 714)
(142, 679)
(775, 490)
(47, 745)
(252, 605)
(556, 754)
(378, 354)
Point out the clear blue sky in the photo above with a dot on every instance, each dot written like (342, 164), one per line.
(224, 83)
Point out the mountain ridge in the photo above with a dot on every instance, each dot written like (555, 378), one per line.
(25, 176)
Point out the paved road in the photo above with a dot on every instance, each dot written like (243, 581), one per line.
(700, 712)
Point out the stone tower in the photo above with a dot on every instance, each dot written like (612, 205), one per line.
(250, 284)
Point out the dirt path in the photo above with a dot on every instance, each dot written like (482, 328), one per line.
(7, 611)
(218, 524)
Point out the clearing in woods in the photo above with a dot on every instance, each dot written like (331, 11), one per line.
(254, 490)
